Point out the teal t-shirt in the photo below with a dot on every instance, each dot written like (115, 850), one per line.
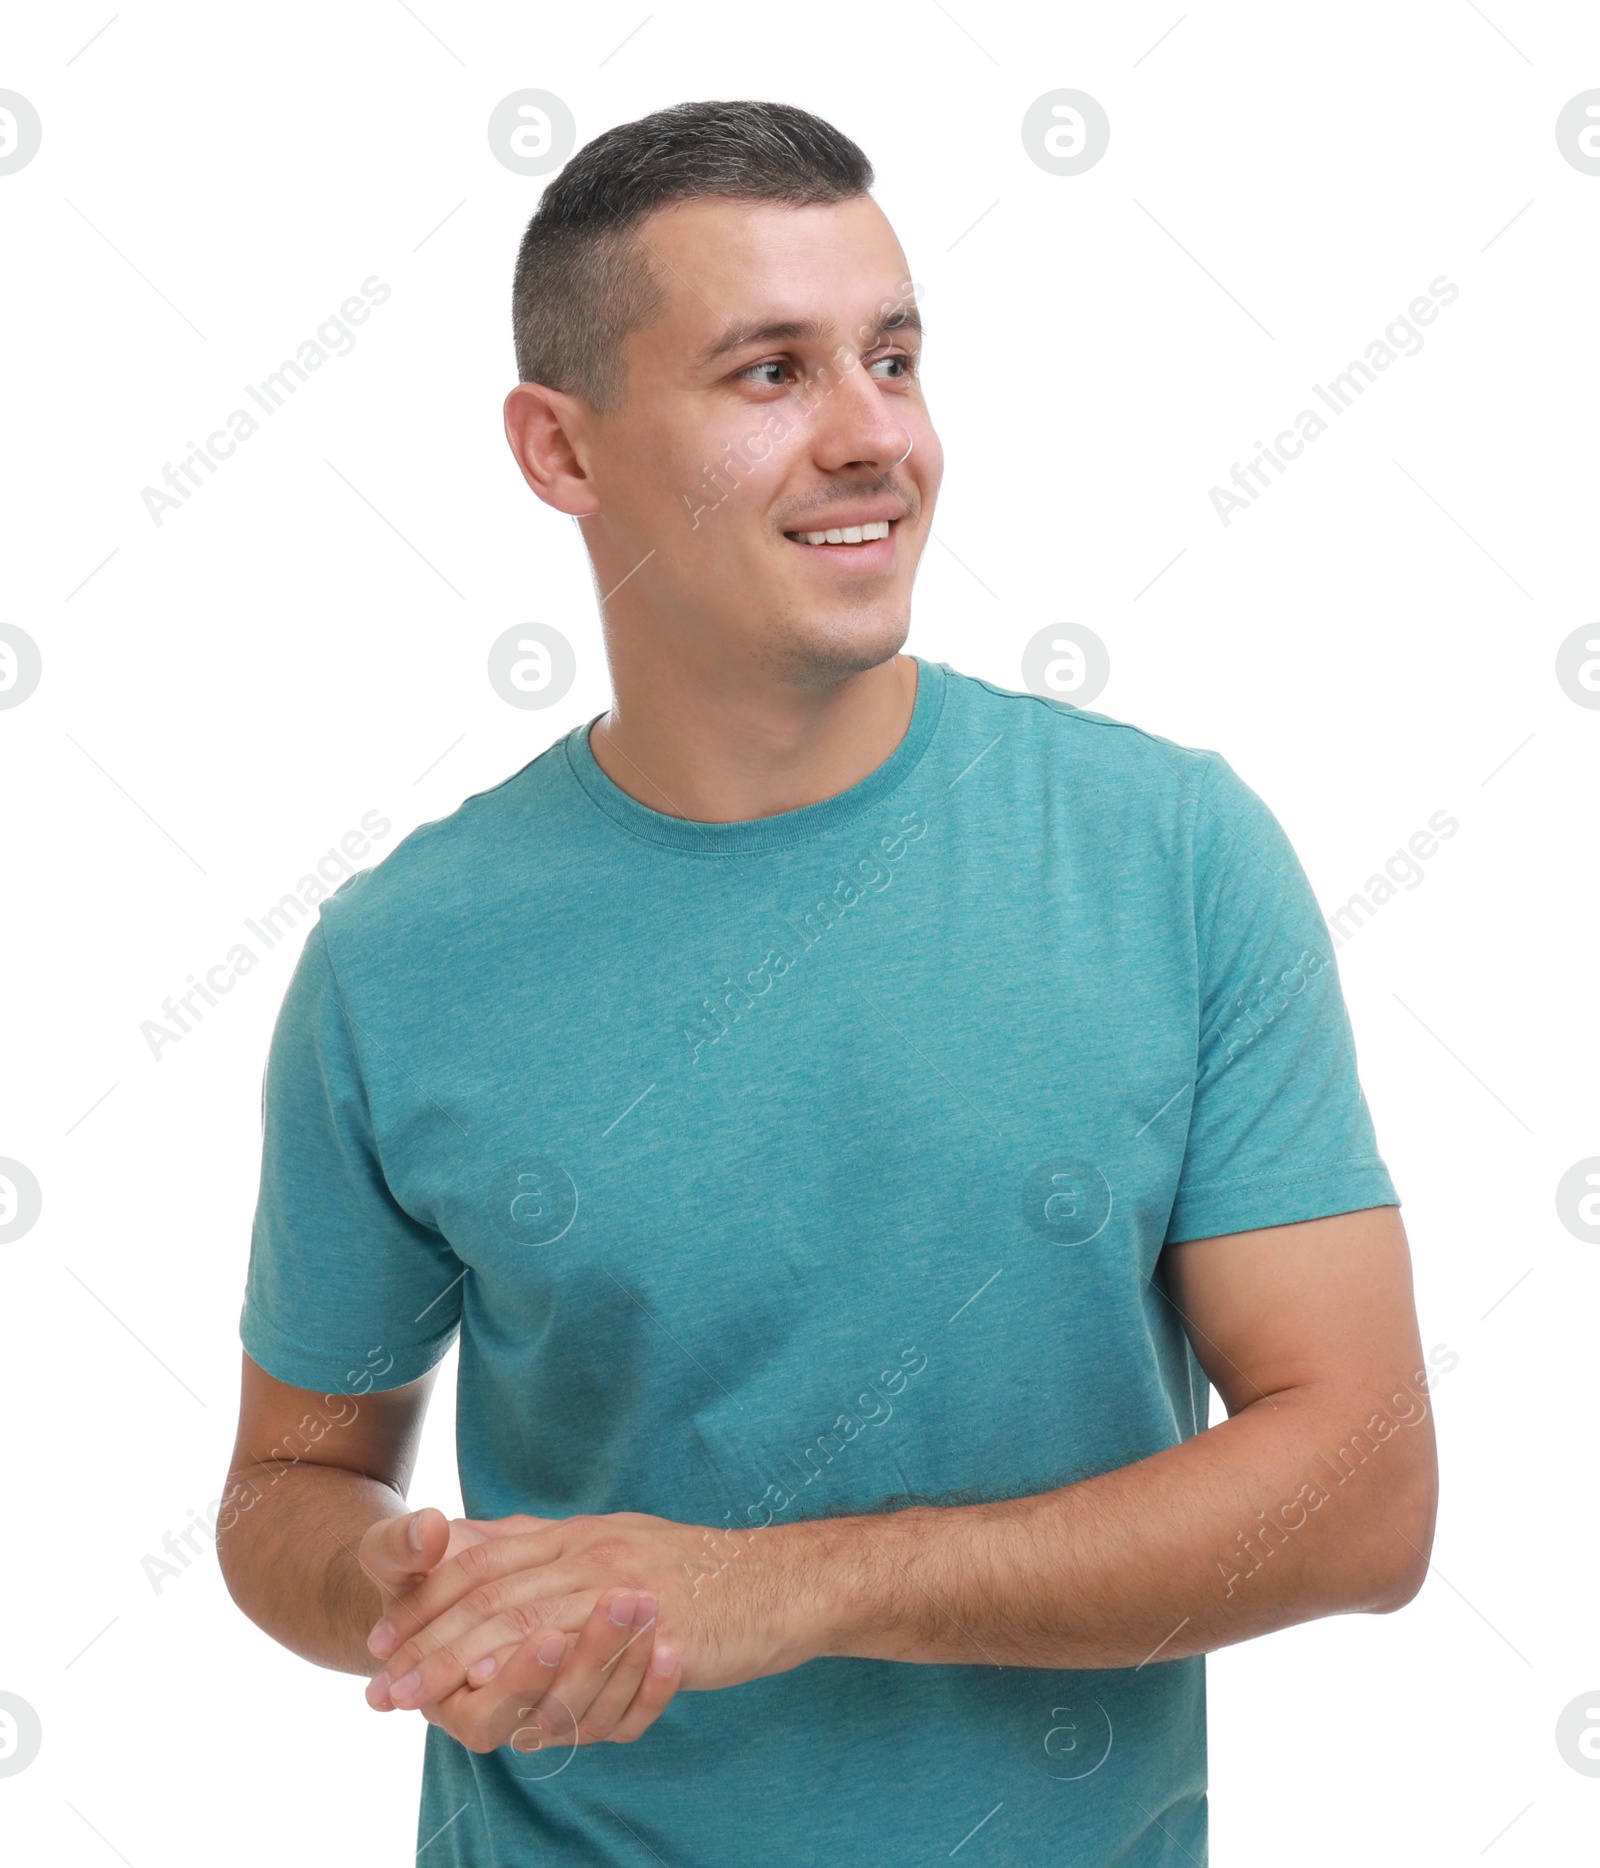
(807, 1164)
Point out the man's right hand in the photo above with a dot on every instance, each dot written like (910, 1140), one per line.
(553, 1691)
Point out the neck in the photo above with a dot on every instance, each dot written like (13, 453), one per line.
(726, 748)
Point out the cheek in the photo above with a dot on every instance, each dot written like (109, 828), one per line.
(928, 458)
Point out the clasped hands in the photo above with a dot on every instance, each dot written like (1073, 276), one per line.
(546, 1633)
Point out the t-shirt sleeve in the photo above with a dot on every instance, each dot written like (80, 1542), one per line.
(346, 1290)
(1279, 1129)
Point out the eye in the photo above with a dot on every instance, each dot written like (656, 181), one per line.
(907, 362)
(770, 363)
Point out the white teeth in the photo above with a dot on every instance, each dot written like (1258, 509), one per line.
(850, 534)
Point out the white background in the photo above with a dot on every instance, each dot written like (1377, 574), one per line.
(225, 694)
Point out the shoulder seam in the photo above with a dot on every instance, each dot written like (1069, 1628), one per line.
(1066, 710)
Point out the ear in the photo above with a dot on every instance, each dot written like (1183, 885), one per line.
(547, 431)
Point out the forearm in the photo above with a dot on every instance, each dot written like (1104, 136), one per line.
(1246, 1527)
(287, 1542)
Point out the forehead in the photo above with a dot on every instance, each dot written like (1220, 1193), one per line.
(722, 263)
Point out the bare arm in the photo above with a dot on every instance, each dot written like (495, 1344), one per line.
(311, 1474)
(1315, 1497)
(316, 1545)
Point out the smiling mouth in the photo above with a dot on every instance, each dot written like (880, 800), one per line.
(849, 537)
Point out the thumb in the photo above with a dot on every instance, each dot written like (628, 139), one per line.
(397, 1552)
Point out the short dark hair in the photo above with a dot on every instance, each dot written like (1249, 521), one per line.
(584, 282)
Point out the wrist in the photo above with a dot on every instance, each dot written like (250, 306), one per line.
(844, 1585)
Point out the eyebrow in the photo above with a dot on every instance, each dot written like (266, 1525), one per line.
(797, 330)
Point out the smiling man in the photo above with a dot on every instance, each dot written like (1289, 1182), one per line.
(850, 1114)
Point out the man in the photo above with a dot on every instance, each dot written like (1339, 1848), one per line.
(849, 1112)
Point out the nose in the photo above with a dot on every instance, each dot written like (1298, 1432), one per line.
(857, 426)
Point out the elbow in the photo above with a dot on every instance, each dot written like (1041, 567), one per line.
(1404, 1542)
(231, 1536)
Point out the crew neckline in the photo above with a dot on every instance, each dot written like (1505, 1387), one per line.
(748, 834)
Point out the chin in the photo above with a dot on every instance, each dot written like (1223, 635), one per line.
(827, 650)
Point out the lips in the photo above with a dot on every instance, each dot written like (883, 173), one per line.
(842, 546)
(842, 534)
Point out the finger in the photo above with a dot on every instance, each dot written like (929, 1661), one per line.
(661, 1681)
(533, 1719)
(488, 1717)
(603, 1682)
(592, 1687)
(517, 1525)
(526, 1703)
(624, 1678)
(445, 1709)
(463, 1533)
(481, 1567)
(523, 1579)
(435, 1661)
(398, 1552)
